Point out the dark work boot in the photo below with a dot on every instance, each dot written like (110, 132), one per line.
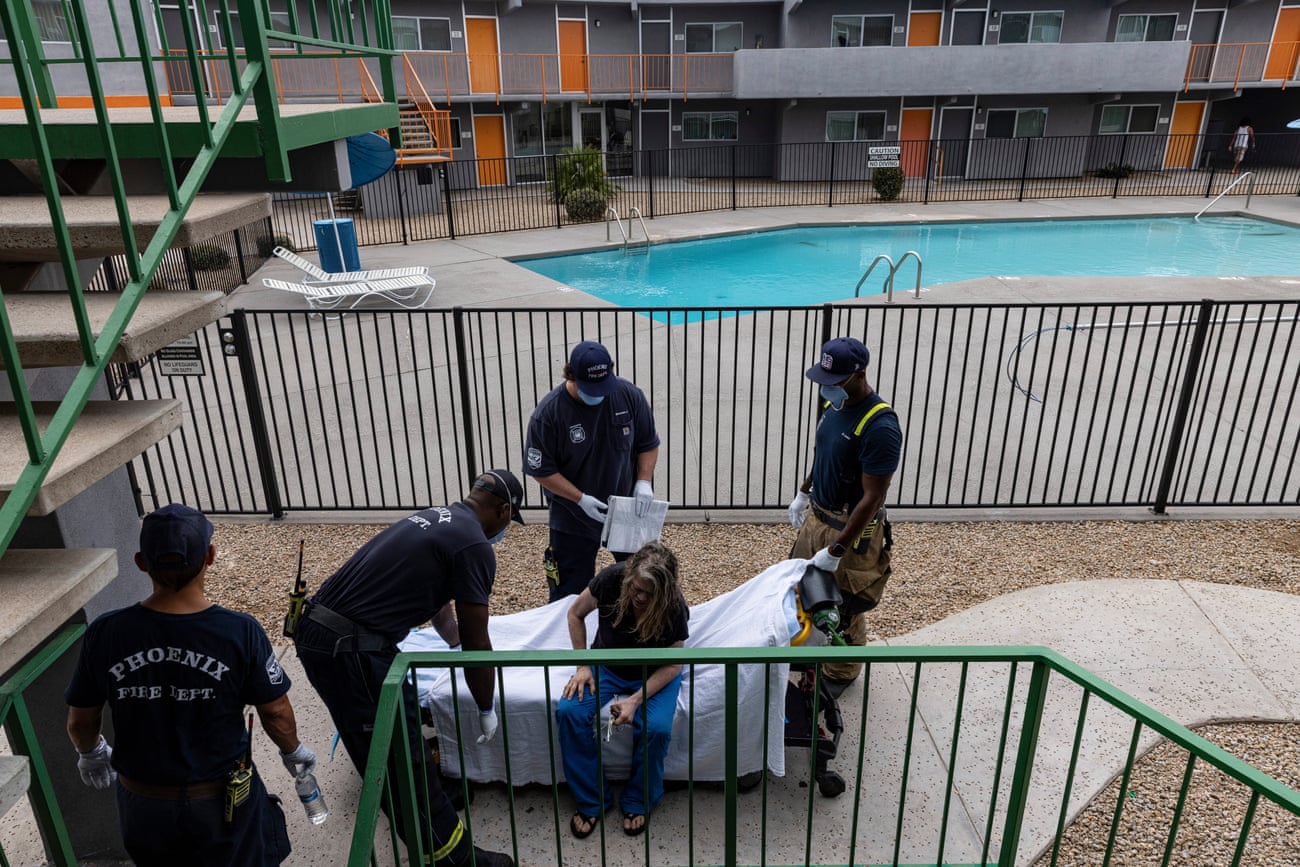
(484, 858)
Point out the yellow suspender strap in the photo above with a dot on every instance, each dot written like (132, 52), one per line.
(451, 844)
(862, 425)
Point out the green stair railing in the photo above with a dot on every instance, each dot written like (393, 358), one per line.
(32, 69)
(985, 749)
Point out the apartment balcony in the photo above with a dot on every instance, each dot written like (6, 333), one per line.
(1085, 67)
(1243, 64)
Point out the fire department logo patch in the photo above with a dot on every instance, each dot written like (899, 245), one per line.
(577, 434)
(274, 673)
(534, 459)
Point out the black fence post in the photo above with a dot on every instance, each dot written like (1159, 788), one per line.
(466, 405)
(444, 176)
(929, 168)
(1119, 166)
(830, 180)
(828, 313)
(190, 277)
(1190, 372)
(257, 428)
(239, 257)
(1024, 171)
(555, 173)
(401, 202)
(650, 175)
(733, 177)
(1209, 185)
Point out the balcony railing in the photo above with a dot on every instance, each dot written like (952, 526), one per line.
(1237, 62)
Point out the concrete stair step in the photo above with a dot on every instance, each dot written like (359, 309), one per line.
(42, 588)
(107, 435)
(47, 336)
(14, 779)
(26, 234)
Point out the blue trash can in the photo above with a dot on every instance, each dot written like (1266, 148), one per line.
(327, 244)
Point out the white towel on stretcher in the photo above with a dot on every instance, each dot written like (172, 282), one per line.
(755, 614)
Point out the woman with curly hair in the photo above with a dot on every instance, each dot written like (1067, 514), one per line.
(641, 605)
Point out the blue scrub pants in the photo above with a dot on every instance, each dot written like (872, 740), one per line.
(652, 729)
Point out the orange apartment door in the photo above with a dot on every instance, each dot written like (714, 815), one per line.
(1183, 135)
(1285, 51)
(914, 133)
(484, 62)
(490, 145)
(573, 55)
(923, 28)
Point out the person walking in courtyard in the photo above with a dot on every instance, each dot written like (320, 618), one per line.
(177, 673)
(1243, 139)
(412, 572)
(840, 507)
(641, 606)
(592, 437)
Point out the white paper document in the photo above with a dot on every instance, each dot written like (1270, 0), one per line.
(626, 531)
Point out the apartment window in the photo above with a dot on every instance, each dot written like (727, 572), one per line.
(712, 38)
(421, 34)
(709, 125)
(1129, 118)
(53, 24)
(1021, 28)
(279, 21)
(852, 31)
(1146, 28)
(855, 125)
(1015, 123)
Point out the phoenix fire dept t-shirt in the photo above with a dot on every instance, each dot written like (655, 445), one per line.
(595, 447)
(406, 574)
(842, 455)
(177, 685)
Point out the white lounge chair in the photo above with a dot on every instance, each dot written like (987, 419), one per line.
(402, 291)
(316, 275)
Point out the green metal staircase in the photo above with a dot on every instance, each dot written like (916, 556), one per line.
(124, 173)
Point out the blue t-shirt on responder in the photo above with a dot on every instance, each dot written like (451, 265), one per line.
(841, 457)
(594, 447)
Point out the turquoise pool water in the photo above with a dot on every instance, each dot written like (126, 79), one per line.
(819, 264)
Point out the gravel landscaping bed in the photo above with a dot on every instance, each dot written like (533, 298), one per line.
(939, 570)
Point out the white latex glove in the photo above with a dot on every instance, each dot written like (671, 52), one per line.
(824, 560)
(645, 495)
(798, 510)
(487, 724)
(594, 508)
(94, 766)
(300, 762)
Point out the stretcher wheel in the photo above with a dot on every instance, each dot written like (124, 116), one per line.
(831, 784)
(746, 782)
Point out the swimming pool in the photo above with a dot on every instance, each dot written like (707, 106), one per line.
(817, 264)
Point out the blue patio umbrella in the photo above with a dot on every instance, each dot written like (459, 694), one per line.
(370, 157)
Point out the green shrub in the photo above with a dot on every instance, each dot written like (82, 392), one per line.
(586, 205)
(1114, 170)
(209, 257)
(265, 245)
(582, 169)
(887, 182)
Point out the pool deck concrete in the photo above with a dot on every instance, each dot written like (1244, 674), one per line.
(476, 271)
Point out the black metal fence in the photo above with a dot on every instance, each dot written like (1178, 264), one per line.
(468, 197)
(1003, 406)
(220, 263)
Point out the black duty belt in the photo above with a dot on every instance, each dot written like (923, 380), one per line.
(826, 518)
(184, 792)
(352, 638)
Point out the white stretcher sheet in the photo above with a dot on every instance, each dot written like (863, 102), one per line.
(755, 614)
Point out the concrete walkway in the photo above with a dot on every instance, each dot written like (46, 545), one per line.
(1195, 651)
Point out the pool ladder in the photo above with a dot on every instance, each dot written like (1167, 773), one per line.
(893, 271)
(628, 246)
(1250, 191)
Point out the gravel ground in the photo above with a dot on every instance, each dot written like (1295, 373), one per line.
(939, 570)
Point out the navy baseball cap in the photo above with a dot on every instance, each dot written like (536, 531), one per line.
(503, 485)
(841, 358)
(175, 537)
(593, 368)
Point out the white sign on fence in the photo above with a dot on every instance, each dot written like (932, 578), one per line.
(884, 151)
(882, 164)
(181, 358)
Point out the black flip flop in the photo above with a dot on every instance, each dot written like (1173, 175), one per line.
(633, 832)
(589, 821)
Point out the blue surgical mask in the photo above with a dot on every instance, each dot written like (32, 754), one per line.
(498, 537)
(591, 399)
(835, 395)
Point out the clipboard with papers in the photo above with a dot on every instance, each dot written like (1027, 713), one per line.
(625, 531)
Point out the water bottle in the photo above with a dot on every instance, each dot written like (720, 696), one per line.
(312, 800)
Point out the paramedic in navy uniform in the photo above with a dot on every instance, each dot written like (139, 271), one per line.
(177, 672)
(410, 573)
(592, 437)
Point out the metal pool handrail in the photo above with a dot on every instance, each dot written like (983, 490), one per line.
(1250, 191)
(893, 270)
